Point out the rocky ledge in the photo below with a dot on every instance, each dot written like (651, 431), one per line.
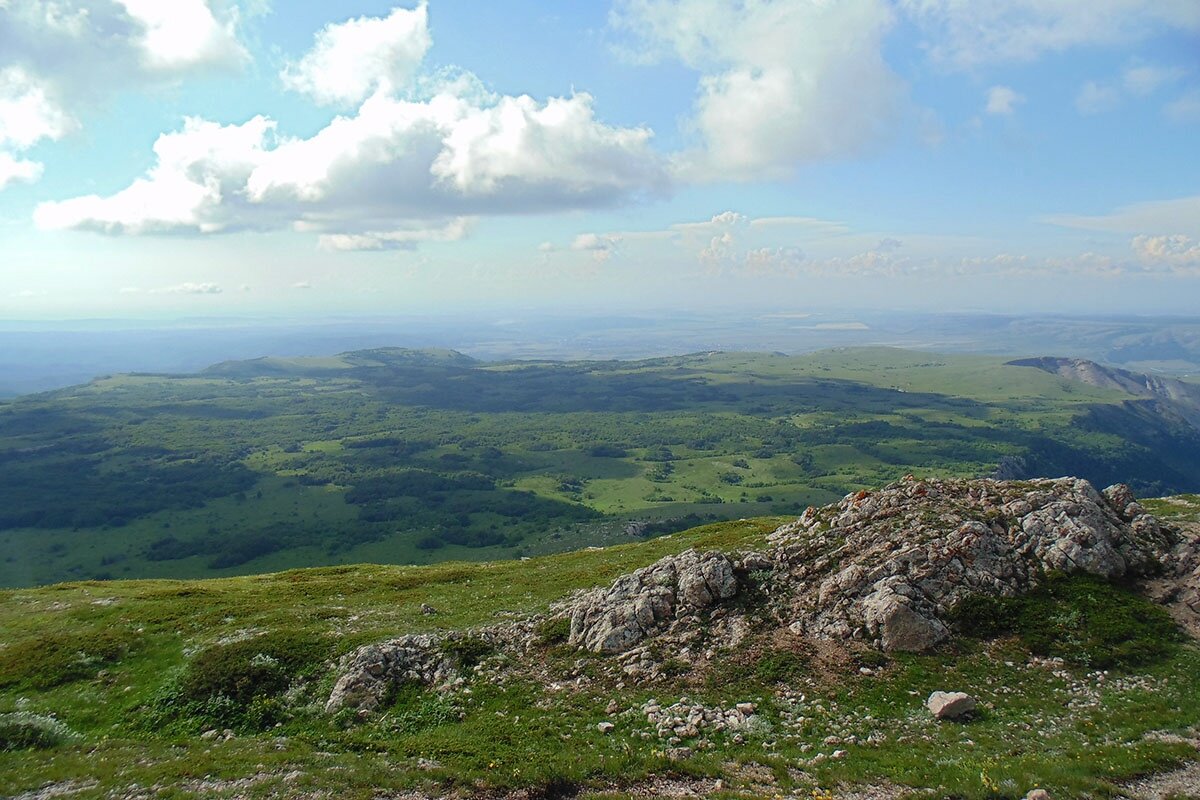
(879, 569)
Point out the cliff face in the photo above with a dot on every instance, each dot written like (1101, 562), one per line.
(1175, 395)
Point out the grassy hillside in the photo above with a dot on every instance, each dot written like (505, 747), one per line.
(107, 687)
(401, 456)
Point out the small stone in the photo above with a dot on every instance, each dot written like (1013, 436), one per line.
(1038, 794)
(950, 705)
(605, 727)
(427, 609)
(746, 708)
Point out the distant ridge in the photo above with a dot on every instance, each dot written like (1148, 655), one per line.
(273, 366)
(1176, 395)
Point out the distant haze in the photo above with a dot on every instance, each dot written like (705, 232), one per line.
(40, 356)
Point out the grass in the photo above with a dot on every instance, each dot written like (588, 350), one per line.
(256, 655)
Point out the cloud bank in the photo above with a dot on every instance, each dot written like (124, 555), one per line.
(398, 170)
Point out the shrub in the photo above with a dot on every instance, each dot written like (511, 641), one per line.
(21, 730)
(1082, 619)
(469, 650)
(260, 667)
(780, 666)
(555, 630)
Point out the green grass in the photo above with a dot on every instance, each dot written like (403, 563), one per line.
(168, 660)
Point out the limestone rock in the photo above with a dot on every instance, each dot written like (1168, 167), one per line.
(645, 602)
(371, 671)
(950, 705)
(887, 566)
(890, 616)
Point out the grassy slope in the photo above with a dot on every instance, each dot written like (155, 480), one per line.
(1066, 729)
(291, 421)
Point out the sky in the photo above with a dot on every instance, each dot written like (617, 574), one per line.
(217, 158)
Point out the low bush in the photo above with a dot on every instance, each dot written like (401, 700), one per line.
(1082, 619)
(260, 667)
(21, 730)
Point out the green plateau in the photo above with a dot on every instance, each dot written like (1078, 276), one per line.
(397, 456)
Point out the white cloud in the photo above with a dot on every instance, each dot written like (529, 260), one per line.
(601, 247)
(397, 239)
(351, 60)
(394, 173)
(184, 34)
(1185, 108)
(1144, 79)
(970, 33)
(302, 285)
(188, 288)
(782, 81)
(27, 114)
(1181, 215)
(1002, 101)
(1175, 251)
(765, 261)
(1095, 98)
(15, 169)
(813, 224)
(57, 55)
(197, 184)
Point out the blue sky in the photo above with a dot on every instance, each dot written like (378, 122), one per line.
(214, 157)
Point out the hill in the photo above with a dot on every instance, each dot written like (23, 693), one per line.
(1176, 396)
(734, 676)
(404, 456)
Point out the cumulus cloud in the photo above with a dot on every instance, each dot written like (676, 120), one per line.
(27, 116)
(396, 172)
(969, 34)
(197, 184)
(1002, 101)
(351, 60)
(183, 34)
(601, 247)
(1175, 251)
(782, 81)
(70, 54)
(14, 169)
(765, 261)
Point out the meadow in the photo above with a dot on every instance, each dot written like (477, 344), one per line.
(411, 457)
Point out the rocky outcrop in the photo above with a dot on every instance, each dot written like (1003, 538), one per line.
(882, 569)
(889, 565)
(1178, 586)
(646, 602)
(371, 672)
